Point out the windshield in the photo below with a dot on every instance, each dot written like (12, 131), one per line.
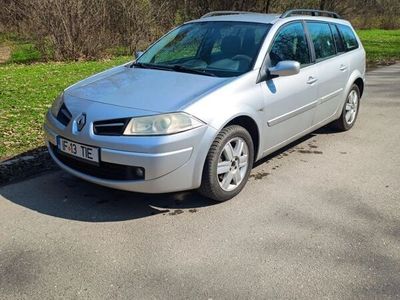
(215, 48)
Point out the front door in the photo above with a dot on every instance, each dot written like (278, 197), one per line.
(290, 101)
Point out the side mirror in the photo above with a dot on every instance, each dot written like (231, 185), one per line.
(285, 68)
(138, 54)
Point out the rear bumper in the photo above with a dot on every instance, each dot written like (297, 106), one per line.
(165, 171)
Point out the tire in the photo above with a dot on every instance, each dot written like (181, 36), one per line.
(227, 152)
(344, 123)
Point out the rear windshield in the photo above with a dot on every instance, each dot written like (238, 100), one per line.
(221, 48)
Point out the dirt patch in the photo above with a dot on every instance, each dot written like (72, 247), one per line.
(309, 152)
(259, 175)
(5, 53)
(373, 65)
(176, 212)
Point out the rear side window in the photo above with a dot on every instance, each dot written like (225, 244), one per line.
(338, 39)
(350, 40)
(322, 39)
(290, 44)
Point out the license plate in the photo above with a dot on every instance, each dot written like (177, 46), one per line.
(78, 150)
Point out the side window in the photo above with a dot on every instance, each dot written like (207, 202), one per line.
(290, 44)
(338, 39)
(350, 40)
(322, 39)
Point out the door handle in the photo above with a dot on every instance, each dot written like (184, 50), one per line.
(343, 68)
(311, 80)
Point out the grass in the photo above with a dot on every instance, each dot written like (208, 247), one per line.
(25, 53)
(27, 90)
(22, 50)
(382, 46)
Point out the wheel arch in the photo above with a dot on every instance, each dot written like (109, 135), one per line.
(355, 78)
(360, 83)
(251, 126)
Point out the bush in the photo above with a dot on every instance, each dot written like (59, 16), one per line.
(85, 29)
(81, 29)
(25, 53)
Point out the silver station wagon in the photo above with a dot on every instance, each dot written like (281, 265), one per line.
(207, 100)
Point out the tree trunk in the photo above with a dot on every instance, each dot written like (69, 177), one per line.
(267, 6)
(322, 4)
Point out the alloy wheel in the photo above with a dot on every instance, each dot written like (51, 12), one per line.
(351, 107)
(233, 163)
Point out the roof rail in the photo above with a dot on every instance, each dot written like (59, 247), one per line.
(225, 13)
(312, 12)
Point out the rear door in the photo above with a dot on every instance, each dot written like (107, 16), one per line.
(290, 101)
(332, 67)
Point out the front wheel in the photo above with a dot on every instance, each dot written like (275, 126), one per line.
(228, 164)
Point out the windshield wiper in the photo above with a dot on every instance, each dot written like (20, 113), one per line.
(181, 68)
(178, 68)
(136, 64)
(149, 66)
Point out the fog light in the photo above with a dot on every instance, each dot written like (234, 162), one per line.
(139, 172)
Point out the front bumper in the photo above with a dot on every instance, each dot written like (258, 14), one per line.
(171, 163)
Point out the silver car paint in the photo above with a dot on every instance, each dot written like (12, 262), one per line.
(150, 90)
(284, 109)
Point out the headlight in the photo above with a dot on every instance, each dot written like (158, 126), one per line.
(161, 124)
(57, 105)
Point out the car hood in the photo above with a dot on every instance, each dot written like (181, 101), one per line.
(145, 89)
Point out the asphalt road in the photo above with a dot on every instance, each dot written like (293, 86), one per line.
(319, 219)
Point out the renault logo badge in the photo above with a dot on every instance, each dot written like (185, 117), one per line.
(81, 121)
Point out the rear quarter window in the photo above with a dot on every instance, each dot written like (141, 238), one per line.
(349, 38)
(338, 39)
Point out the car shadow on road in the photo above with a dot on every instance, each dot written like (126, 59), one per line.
(62, 195)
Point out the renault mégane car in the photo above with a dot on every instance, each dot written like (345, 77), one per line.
(207, 100)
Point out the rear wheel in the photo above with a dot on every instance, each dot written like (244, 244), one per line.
(350, 110)
(228, 164)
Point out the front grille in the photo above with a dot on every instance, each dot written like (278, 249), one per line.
(64, 116)
(104, 170)
(110, 127)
